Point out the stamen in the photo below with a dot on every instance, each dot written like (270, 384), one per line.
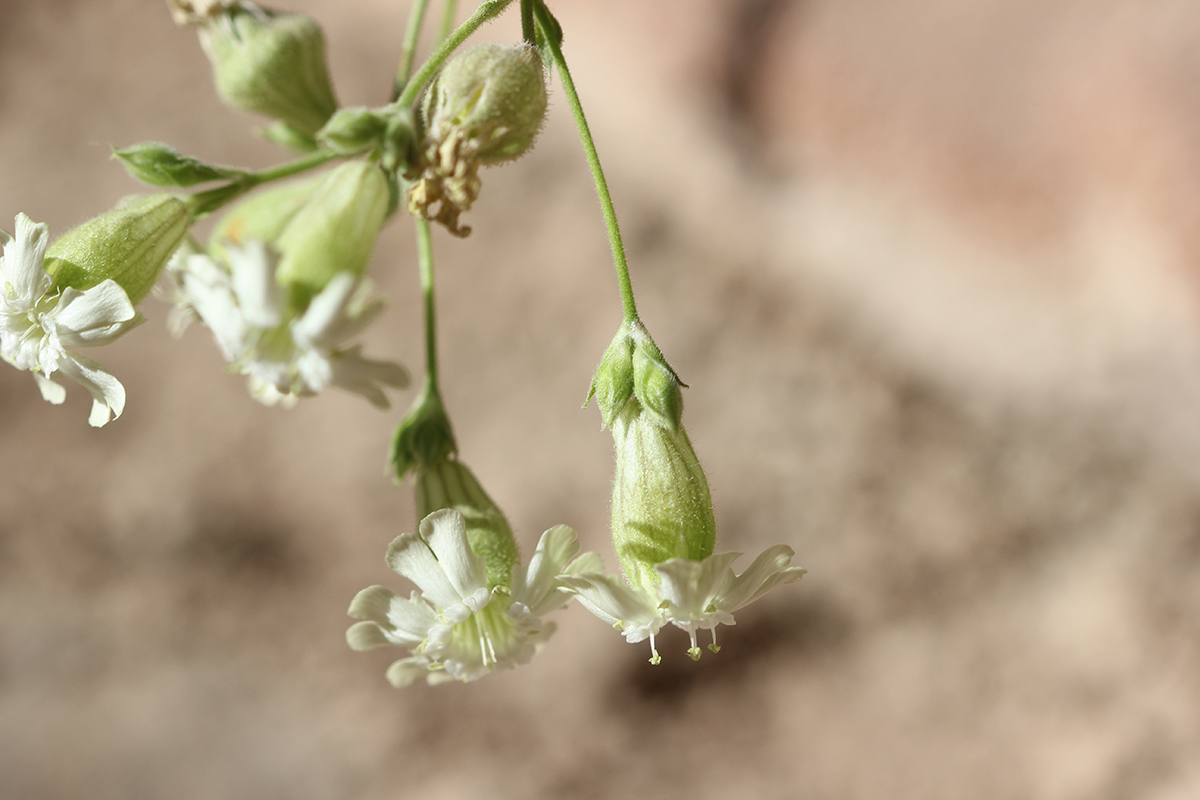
(714, 647)
(655, 658)
(693, 651)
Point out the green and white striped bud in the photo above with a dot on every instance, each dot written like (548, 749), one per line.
(448, 483)
(485, 107)
(335, 231)
(270, 63)
(661, 506)
(130, 244)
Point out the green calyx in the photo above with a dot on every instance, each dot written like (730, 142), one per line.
(263, 215)
(661, 506)
(335, 231)
(271, 64)
(633, 368)
(424, 437)
(448, 483)
(130, 244)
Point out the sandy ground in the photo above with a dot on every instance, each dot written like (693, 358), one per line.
(930, 271)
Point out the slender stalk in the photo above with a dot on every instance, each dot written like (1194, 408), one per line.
(412, 32)
(291, 168)
(204, 203)
(593, 159)
(487, 11)
(425, 264)
(449, 11)
(527, 24)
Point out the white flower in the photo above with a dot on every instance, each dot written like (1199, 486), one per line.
(284, 357)
(455, 626)
(39, 322)
(692, 595)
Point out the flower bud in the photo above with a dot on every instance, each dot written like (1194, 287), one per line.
(352, 131)
(612, 385)
(335, 232)
(485, 107)
(449, 484)
(661, 505)
(272, 64)
(634, 367)
(130, 244)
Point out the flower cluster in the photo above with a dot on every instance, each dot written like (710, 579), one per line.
(284, 356)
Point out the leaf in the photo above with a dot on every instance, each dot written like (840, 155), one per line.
(159, 164)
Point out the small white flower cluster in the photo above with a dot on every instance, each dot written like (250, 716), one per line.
(455, 626)
(40, 322)
(284, 357)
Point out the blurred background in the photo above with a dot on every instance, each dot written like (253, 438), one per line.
(930, 270)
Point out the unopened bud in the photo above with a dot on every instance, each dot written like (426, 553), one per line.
(272, 64)
(130, 244)
(263, 215)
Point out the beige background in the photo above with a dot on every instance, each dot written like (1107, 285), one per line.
(930, 269)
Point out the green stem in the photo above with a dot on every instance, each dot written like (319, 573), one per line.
(527, 24)
(412, 32)
(593, 159)
(487, 11)
(204, 203)
(449, 11)
(425, 263)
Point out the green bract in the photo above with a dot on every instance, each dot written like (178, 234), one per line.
(130, 244)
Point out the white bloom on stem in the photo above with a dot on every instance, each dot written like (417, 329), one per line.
(454, 625)
(692, 595)
(284, 358)
(39, 322)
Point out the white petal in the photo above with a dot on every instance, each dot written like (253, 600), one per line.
(52, 391)
(537, 586)
(258, 295)
(439, 560)
(364, 376)
(367, 636)
(768, 571)
(108, 395)
(96, 316)
(611, 600)
(325, 312)
(691, 586)
(408, 671)
(372, 603)
(411, 618)
(22, 266)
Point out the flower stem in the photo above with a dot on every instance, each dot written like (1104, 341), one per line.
(204, 203)
(528, 31)
(593, 159)
(425, 263)
(412, 32)
(487, 11)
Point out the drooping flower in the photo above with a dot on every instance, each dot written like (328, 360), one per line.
(285, 356)
(663, 527)
(691, 594)
(459, 625)
(41, 323)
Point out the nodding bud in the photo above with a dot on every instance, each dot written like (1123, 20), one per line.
(448, 483)
(130, 244)
(270, 63)
(335, 232)
(485, 107)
